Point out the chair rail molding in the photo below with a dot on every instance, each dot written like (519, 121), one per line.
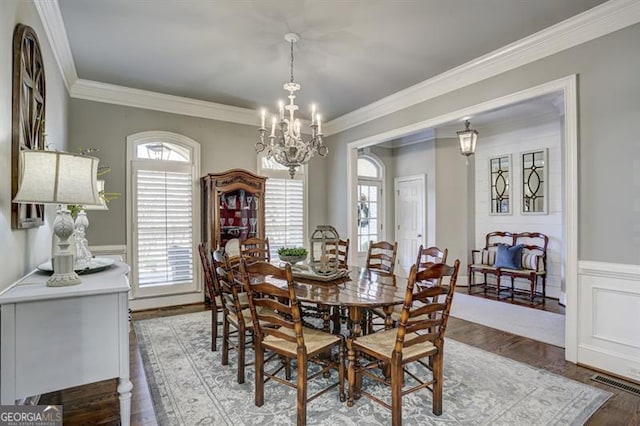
(601, 20)
(116, 249)
(609, 270)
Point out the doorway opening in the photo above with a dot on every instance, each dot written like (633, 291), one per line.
(567, 246)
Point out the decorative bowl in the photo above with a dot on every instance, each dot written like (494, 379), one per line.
(292, 259)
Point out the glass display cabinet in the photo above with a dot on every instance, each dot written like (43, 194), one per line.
(233, 207)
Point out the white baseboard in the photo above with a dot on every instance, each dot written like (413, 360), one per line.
(164, 301)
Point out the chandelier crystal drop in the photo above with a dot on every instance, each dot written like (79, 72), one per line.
(285, 144)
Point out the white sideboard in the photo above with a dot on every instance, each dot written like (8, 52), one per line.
(53, 338)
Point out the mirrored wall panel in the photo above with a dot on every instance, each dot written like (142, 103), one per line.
(534, 182)
(500, 180)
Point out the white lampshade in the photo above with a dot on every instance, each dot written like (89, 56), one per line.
(103, 203)
(51, 177)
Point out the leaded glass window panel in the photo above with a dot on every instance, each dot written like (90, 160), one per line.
(534, 182)
(500, 180)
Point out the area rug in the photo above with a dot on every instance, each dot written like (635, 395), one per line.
(547, 327)
(189, 386)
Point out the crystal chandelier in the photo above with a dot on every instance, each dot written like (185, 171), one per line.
(285, 143)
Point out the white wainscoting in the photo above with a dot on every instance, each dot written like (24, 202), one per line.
(609, 317)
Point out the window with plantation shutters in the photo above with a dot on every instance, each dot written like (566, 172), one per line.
(162, 209)
(285, 205)
(164, 201)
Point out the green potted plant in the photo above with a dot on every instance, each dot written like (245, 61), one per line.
(292, 254)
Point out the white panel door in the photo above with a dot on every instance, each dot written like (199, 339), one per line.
(410, 223)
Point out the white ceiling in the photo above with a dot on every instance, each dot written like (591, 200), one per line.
(351, 52)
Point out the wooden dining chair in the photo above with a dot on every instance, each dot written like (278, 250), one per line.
(419, 336)
(280, 330)
(236, 318)
(430, 255)
(381, 257)
(254, 249)
(213, 290)
(340, 252)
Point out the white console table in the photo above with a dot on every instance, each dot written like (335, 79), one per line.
(53, 338)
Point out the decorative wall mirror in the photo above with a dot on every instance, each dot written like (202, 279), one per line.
(27, 126)
(534, 182)
(500, 181)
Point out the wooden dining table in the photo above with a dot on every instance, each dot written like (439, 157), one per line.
(358, 291)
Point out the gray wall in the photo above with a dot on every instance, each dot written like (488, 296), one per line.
(609, 154)
(22, 250)
(419, 159)
(223, 146)
(453, 209)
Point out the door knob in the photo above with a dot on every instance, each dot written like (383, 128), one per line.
(419, 235)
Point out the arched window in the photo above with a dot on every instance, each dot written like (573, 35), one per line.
(162, 212)
(370, 208)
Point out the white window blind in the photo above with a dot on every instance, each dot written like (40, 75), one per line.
(164, 206)
(284, 213)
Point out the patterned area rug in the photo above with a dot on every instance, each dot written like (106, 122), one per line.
(189, 386)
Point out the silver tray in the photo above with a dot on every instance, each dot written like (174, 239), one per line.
(97, 264)
(304, 271)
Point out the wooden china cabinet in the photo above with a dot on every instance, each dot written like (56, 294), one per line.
(232, 206)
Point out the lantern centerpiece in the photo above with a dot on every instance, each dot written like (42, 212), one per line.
(322, 239)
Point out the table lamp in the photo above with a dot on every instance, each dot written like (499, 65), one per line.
(49, 177)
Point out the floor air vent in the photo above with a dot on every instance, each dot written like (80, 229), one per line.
(616, 384)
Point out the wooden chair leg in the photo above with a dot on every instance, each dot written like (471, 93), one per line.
(241, 354)
(341, 371)
(437, 386)
(259, 366)
(287, 368)
(225, 341)
(302, 390)
(396, 392)
(513, 288)
(532, 288)
(214, 326)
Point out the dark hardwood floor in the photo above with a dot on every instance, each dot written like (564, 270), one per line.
(97, 404)
(550, 305)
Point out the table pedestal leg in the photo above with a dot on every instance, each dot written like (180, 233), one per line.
(354, 378)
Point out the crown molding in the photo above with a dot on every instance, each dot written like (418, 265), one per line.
(589, 25)
(51, 18)
(597, 22)
(120, 95)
